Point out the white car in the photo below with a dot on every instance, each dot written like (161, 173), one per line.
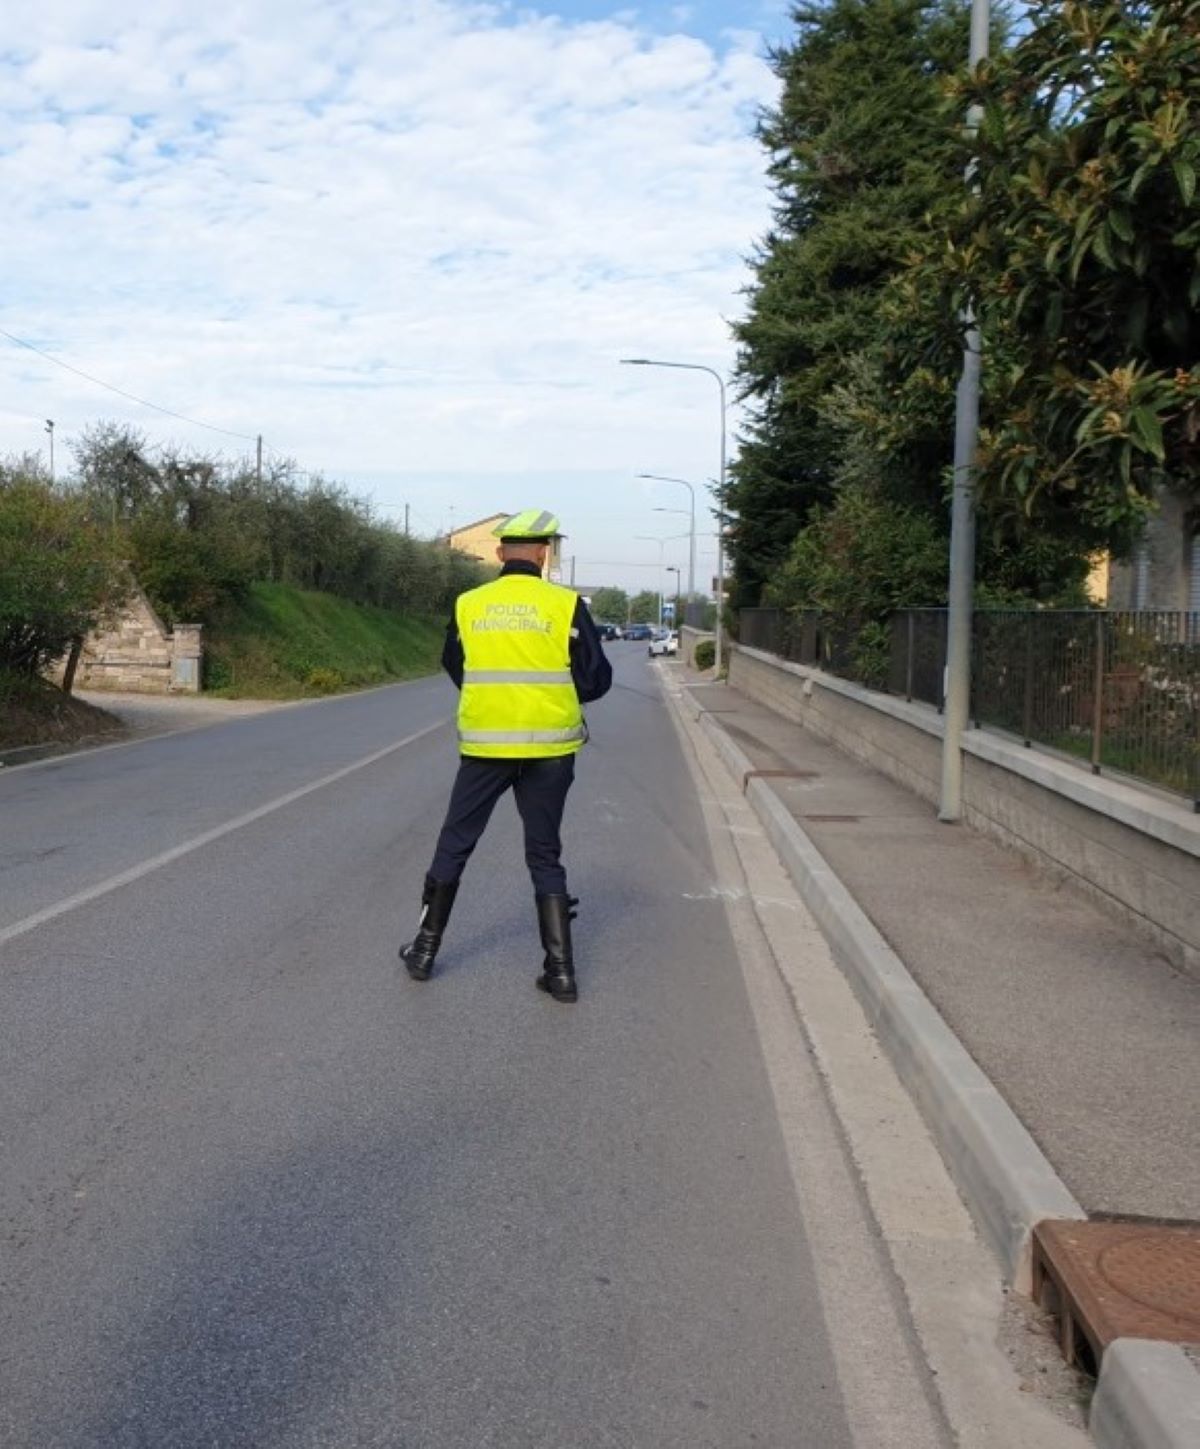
(666, 643)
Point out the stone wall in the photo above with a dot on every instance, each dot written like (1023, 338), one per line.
(136, 653)
(1135, 851)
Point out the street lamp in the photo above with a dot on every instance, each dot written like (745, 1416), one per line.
(960, 598)
(50, 431)
(720, 381)
(662, 478)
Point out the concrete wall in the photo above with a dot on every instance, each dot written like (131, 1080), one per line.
(136, 653)
(1135, 851)
(688, 639)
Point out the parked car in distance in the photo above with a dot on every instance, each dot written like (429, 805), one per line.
(666, 643)
(639, 631)
(608, 631)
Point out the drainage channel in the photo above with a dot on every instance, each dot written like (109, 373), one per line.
(1111, 1278)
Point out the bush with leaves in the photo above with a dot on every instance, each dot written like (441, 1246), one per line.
(861, 558)
(1080, 251)
(60, 573)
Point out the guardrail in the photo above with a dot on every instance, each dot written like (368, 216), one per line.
(1120, 690)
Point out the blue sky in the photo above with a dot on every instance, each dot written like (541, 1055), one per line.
(406, 243)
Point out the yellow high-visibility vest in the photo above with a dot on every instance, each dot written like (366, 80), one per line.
(518, 699)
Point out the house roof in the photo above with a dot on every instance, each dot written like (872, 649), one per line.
(467, 527)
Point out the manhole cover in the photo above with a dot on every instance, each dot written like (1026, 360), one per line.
(1161, 1271)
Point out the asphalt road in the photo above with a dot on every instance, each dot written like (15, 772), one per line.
(260, 1189)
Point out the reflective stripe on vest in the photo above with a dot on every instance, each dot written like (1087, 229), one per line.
(520, 737)
(518, 698)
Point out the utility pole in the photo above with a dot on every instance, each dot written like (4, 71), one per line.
(50, 431)
(406, 520)
(962, 511)
(572, 570)
(258, 462)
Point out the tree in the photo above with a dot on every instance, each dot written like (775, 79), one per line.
(643, 607)
(198, 531)
(860, 160)
(115, 471)
(1079, 252)
(611, 605)
(60, 573)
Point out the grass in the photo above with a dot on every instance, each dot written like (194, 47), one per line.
(34, 712)
(286, 643)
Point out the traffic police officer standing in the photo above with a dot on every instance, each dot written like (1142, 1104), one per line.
(525, 655)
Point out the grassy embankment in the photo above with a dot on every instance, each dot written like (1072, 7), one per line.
(280, 643)
(285, 643)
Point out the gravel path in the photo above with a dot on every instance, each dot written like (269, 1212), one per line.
(163, 713)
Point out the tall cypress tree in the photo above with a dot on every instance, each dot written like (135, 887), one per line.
(861, 158)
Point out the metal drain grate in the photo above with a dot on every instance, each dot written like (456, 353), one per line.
(1119, 1278)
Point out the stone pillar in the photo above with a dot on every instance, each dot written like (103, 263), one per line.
(186, 653)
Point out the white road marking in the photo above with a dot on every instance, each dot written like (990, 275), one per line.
(156, 862)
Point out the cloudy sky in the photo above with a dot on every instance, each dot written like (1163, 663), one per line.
(405, 242)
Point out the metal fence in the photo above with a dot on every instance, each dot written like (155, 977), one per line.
(1120, 690)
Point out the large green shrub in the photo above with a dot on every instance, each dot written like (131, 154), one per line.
(60, 572)
(1078, 250)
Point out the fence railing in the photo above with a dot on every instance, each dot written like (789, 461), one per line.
(1120, 690)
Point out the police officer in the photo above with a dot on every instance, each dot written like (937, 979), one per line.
(525, 655)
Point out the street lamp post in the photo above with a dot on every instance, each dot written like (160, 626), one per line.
(50, 431)
(720, 381)
(672, 570)
(662, 478)
(960, 598)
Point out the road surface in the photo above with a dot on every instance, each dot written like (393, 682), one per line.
(260, 1189)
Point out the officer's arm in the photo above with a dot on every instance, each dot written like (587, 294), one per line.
(453, 659)
(590, 668)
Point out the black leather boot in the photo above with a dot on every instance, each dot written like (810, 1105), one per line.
(437, 899)
(558, 970)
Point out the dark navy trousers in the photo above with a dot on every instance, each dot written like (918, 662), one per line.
(540, 790)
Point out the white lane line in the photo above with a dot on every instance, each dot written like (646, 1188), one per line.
(156, 862)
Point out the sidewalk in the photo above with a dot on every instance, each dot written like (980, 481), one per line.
(1091, 1037)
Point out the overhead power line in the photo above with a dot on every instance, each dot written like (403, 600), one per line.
(120, 391)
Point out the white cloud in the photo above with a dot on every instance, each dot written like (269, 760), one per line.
(398, 240)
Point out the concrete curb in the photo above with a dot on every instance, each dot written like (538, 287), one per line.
(1003, 1174)
(1148, 1394)
(1148, 1397)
